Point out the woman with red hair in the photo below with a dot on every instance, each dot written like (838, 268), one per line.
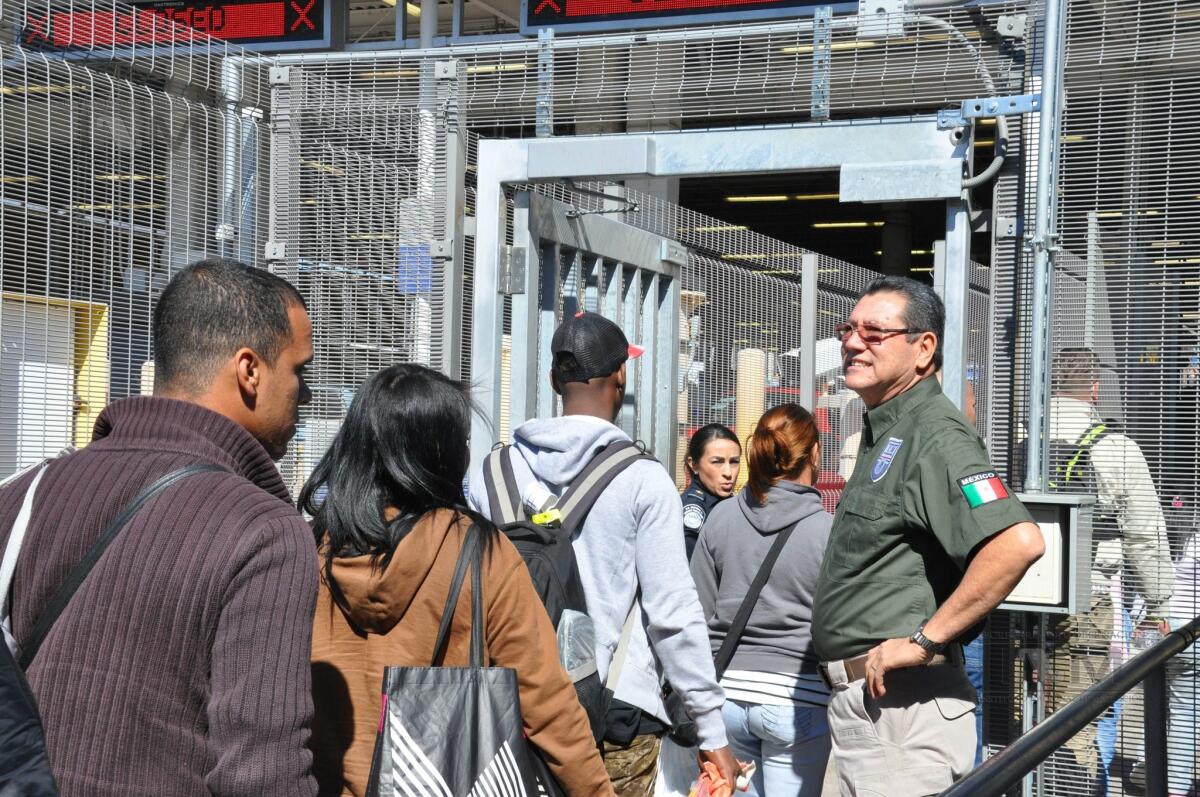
(775, 701)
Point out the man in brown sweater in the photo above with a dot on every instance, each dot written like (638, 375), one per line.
(181, 666)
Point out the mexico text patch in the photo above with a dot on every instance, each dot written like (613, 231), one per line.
(982, 488)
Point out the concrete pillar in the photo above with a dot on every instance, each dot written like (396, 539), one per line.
(897, 240)
(751, 395)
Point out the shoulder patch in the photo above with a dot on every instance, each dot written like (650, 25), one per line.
(982, 488)
(693, 517)
(884, 462)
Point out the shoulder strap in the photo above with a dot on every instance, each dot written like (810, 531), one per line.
(618, 660)
(586, 488)
(468, 558)
(1083, 446)
(734, 635)
(75, 578)
(504, 497)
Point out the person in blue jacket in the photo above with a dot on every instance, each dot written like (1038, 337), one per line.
(714, 459)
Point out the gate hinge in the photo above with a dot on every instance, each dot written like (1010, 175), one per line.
(1011, 26)
(512, 270)
(280, 75)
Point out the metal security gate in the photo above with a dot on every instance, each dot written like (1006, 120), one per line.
(564, 260)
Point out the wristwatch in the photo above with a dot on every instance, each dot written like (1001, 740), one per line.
(925, 642)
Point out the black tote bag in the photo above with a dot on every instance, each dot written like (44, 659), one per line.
(456, 731)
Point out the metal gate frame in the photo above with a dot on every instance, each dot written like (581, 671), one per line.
(879, 159)
(636, 276)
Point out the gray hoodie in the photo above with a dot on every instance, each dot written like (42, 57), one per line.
(732, 546)
(629, 541)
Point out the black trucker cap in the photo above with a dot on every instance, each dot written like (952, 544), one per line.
(597, 347)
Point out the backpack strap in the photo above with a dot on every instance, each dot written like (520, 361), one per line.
(504, 497)
(12, 550)
(75, 578)
(586, 488)
(1084, 446)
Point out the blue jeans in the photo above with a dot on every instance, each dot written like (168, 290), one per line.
(1184, 723)
(973, 663)
(789, 744)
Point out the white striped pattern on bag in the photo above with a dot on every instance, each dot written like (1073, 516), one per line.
(412, 774)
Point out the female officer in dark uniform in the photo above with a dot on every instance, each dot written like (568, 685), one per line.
(714, 459)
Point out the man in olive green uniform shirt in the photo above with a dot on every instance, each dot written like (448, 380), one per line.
(926, 541)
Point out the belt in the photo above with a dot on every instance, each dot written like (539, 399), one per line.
(855, 669)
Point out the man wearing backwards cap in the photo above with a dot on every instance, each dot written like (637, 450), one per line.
(629, 547)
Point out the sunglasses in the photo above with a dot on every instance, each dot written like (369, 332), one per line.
(868, 333)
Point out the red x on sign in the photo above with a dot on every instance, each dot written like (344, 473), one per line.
(302, 14)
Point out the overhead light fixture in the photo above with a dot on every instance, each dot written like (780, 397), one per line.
(484, 69)
(131, 178)
(11, 179)
(829, 270)
(370, 236)
(1116, 214)
(308, 201)
(879, 252)
(844, 225)
(1071, 139)
(806, 49)
(67, 88)
(412, 9)
(715, 228)
(1164, 244)
(758, 198)
(921, 269)
(1180, 261)
(804, 197)
(122, 206)
(983, 142)
(324, 167)
(387, 74)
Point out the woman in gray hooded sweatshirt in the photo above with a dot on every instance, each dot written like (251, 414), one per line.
(775, 700)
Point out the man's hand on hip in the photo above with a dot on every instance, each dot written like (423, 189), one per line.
(893, 654)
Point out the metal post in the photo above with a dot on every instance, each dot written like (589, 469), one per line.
(227, 228)
(545, 94)
(454, 206)
(1155, 730)
(429, 23)
(1045, 227)
(957, 263)
(808, 331)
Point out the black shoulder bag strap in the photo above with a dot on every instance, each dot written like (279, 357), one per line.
(585, 489)
(75, 578)
(738, 626)
(469, 557)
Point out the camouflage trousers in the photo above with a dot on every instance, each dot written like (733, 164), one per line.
(1079, 659)
(633, 769)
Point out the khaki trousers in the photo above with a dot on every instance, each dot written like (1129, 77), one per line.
(914, 741)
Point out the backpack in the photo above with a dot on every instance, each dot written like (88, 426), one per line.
(543, 539)
(24, 763)
(1071, 471)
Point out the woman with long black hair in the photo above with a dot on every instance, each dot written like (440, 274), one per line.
(390, 521)
(714, 460)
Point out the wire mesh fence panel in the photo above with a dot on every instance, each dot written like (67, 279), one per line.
(122, 164)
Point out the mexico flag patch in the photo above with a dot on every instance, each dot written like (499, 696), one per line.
(982, 488)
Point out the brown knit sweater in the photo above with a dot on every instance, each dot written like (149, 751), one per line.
(180, 667)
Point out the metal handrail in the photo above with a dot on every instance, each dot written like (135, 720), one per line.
(1002, 771)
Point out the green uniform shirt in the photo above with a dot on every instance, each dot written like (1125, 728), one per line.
(922, 497)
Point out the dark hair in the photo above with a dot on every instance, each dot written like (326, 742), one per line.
(211, 309)
(403, 445)
(780, 447)
(705, 435)
(923, 312)
(1074, 370)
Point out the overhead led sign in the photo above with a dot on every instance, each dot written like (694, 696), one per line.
(288, 24)
(580, 15)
